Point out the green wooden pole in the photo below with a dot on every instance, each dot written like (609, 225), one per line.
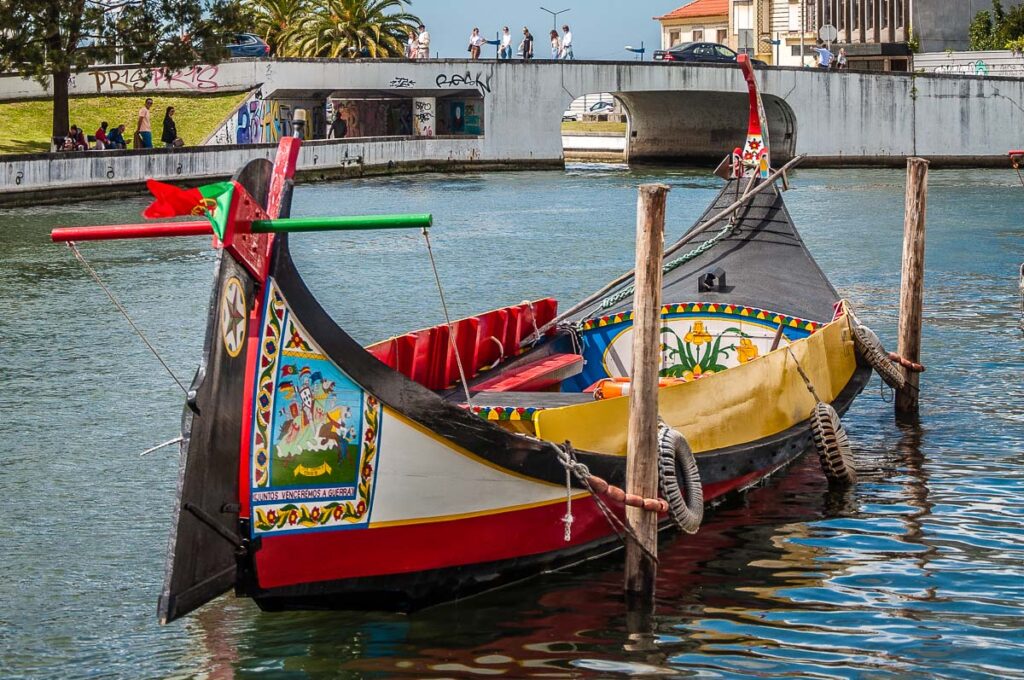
(346, 223)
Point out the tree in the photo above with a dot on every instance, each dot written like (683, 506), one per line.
(352, 29)
(48, 40)
(276, 21)
(997, 30)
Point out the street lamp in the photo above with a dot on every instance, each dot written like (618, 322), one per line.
(554, 16)
(639, 51)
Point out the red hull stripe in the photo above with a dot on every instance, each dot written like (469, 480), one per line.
(333, 555)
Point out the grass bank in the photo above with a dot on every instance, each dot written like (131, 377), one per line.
(25, 125)
(570, 127)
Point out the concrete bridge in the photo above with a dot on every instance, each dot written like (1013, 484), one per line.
(675, 112)
(694, 112)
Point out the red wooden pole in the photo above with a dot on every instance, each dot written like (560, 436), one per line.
(151, 230)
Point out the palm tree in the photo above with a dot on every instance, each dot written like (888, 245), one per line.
(352, 28)
(276, 21)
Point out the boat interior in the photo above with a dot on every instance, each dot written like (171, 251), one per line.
(512, 371)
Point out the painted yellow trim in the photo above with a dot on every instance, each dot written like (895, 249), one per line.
(478, 513)
(455, 448)
(745, 403)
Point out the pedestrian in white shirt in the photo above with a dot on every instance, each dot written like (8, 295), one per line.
(567, 43)
(423, 43)
(506, 44)
(476, 41)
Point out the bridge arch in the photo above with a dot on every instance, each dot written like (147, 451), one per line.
(700, 126)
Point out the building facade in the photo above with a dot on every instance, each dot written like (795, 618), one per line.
(698, 21)
(877, 34)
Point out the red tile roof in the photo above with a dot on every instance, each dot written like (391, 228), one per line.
(699, 8)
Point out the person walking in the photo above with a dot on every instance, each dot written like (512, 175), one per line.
(824, 55)
(526, 47)
(476, 41)
(567, 43)
(556, 45)
(170, 132)
(143, 128)
(505, 50)
(423, 43)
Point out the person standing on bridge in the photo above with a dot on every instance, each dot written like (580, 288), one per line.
(841, 62)
(143, 128)
(505, 51)
(476, 41)
(411, 45)
(824, 55)
(567, 43)
(526, 47)
(556, 45)
(423, 43)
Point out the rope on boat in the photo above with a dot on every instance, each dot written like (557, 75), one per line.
(597, 486)
(124, 312)
(447, 319)
(169, 442)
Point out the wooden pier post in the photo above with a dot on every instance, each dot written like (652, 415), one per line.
(642, 442)
(912, 284)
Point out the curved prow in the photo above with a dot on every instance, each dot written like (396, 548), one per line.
(755, 157)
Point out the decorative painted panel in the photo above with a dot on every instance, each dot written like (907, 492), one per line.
(315, 434)
(697, 338)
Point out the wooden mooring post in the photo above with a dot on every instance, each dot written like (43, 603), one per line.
(912, 284)
(642, 442)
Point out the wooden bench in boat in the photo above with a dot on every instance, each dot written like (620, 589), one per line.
(481, 341)
(537, 375)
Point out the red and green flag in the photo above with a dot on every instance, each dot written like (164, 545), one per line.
(211, 200)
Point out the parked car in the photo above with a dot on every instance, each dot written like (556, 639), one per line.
(602, 107)
(569, 116)
(712, 53)
(248, 45)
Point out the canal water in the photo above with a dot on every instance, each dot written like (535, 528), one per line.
(918, 571)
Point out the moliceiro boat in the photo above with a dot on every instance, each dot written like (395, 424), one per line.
(318, 473)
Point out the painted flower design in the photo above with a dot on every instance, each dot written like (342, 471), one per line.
(370, 434)
(315, 514)
(697, 334)
(338, 512)
(746, 351)
(293, 517)
(272, 517)
(367, 471)
(360, 509)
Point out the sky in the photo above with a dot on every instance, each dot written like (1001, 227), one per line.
(600, 28)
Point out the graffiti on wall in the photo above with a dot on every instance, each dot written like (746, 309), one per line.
(423, 117)
(197, 78)
(483, 85)
(263, 121)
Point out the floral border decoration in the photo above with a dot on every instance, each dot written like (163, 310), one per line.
(264, 402)
(707, 308)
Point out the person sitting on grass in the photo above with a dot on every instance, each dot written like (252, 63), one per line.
(102, 142)
(115, 138)
(77, 140)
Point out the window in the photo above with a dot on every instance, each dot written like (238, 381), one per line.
(673, 38)
(794, 17)
(725, 52)
(698, 35)
(746, 41)
(723, 35)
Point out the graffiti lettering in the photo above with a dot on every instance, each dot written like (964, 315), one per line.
(457, 80)
(202, 78)
(399, 81)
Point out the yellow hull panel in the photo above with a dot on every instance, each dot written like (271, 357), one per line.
(743, 404)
